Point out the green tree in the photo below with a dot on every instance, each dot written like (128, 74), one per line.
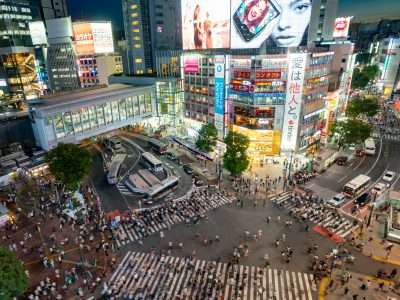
(351, 131)
(362, 107)
(362, 77)
(207, 138)
(69, 164)
(13, 279)
(236, 160)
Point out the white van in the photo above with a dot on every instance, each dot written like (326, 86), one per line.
(369, 146)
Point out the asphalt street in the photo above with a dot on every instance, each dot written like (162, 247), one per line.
(386, 158)
(119, 197)
(230, 223)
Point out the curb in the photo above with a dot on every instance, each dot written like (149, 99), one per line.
(384, 260)
(323, 286)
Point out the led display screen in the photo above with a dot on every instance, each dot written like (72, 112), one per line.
(205, 24)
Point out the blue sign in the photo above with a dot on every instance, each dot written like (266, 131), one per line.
(219, 95)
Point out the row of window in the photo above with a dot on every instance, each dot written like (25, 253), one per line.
(70, 123)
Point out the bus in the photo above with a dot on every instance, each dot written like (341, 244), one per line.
(154, 163)
(113, 170)
(158, 146)
(356, 186)
(369, 146)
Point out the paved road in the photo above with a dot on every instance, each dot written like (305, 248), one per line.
(230, 222)
(333, 180)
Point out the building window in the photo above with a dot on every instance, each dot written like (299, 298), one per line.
(138, 60)
(137, 46)
(134, 6)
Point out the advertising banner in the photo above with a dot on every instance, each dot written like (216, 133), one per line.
(205, 24)
(342, 26)
(296, 72)
(191, 64)
(219, 94)
(279, 23)
(93, 38)
(38, 33)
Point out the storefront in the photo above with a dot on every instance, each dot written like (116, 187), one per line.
(263, 143)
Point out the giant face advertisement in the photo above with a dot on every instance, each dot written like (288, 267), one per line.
(205, 24)
(280, 23)
(241, 24)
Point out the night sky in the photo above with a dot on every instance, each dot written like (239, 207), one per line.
(367, 10)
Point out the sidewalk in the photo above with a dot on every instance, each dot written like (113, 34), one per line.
(347, 289)
(375, 245)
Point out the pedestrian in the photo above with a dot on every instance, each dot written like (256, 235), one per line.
(346, 290)
(355, 296)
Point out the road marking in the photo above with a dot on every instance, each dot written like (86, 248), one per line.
(359, 164)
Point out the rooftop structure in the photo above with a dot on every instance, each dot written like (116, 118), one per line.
(70, 118)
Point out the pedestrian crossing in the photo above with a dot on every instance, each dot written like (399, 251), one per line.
(162, 217)
(318, 214)
(386, 136)
(153, 276)
(123, 189)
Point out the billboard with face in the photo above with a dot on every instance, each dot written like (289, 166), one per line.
(280, 23)
(205, 24)
(342, 26)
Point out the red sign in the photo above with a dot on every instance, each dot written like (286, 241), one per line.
(242, 74)
(268, 75)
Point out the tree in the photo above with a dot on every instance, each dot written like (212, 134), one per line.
(236, 160)
(351, 131)
(207, 138)
(362, 77)
(360, 107)
(69, 164)
(360, 80)
(13, 279)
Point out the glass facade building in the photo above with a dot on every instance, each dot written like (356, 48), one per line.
(77, 116)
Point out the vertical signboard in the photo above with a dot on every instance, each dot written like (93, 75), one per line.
(297, 66)
(219, 94)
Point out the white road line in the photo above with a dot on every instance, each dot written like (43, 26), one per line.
(377, 158)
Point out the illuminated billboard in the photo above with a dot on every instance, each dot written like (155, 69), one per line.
(205, 24)
(93, 38)
(296, 73)
(38, 33)
(279, 23)
(342, 26)
(191, 64)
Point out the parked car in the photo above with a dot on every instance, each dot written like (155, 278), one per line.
(342, 160)
(337, 200)
(188, 169)
(389, 176)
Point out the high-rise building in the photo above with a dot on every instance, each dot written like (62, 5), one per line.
(166, 24)
(322, 22)
(389, 63)
(52, 9)
(18, 80)
(61, 58)
(136, 15)
(150, 25)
